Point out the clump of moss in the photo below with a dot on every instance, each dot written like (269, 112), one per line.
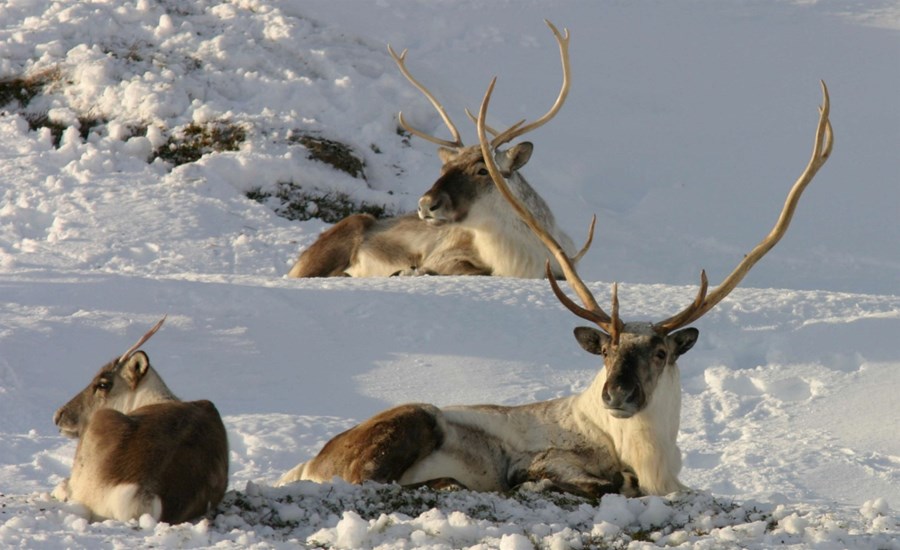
(85, 125)
(22, 89)
(333, 153)
(405, 136)
(295, 203)
(195, 140)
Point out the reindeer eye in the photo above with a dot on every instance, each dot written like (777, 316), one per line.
(103, 385)
(483, 172)
(661, 355)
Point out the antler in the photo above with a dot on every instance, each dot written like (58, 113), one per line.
(457, 143)
(500, 138)
(592, 311)
(703, 302)
(125, 356)
(520, 128)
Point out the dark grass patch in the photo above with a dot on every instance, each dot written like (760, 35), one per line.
(334, 153)
(293, 202)
(405, 136)
(85, 125)
(22, 89)
(193, 141)
(296, 513)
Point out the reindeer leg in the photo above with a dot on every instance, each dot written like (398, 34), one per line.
(563, 471)
(461, 267)
(381, 448)
(586, 485)
(62, 492)
(334, 250)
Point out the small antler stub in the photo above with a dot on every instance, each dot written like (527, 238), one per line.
(125, 356)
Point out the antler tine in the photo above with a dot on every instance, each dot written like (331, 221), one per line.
(615, 324)
(493, 131)
(457, 143)
(822, 147)
(592, 311)
(685, 316)
(125, 356)
(599, 318)
(587, 242)
(517, 129)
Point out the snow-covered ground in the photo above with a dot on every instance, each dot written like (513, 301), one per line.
(686, 124)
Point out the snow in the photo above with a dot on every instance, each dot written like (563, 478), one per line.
(686, 124)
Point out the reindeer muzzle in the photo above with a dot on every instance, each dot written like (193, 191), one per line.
(65, 423)
(434, 208)
(621, 400)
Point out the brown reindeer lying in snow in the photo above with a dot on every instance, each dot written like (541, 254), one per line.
(141, 450)
(463, 226)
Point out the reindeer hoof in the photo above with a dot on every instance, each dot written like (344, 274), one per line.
(410, 271)
(440, 484)
(538, 486)
(630, 486)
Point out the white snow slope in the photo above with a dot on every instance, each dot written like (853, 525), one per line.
(687, 123)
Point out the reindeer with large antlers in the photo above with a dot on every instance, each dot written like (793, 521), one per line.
(619, 435)
(463, 225)
(641, 393)
(141, 450)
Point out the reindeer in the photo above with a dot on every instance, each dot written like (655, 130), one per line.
(619, 435)
(462, 227)
(141, 450)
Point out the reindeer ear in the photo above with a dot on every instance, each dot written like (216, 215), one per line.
(135, 368)
(591, 339)
(517, 156)
(684, 339)
(446, 154)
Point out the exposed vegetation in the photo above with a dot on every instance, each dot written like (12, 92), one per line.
(405, 136)
(293, 202)
(85, 125)
(195, 140)
(22, 89)
(291, 513)
(191, 142)
(333, 153)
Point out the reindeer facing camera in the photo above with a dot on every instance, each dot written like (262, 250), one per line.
(141, 450)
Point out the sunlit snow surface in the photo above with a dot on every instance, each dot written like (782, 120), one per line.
(686, 124)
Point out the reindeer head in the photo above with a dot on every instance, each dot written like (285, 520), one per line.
(122, 384)
(634, 364)
(636, 354)
(465, 179)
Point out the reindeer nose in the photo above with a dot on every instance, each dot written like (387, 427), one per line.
(428, 205)
(618, 396)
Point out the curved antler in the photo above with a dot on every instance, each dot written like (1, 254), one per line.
(587, 242)
(514, 131)
(520, 127)
(704, 302)
(457, 143)
(592, 311)
(125, 356)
